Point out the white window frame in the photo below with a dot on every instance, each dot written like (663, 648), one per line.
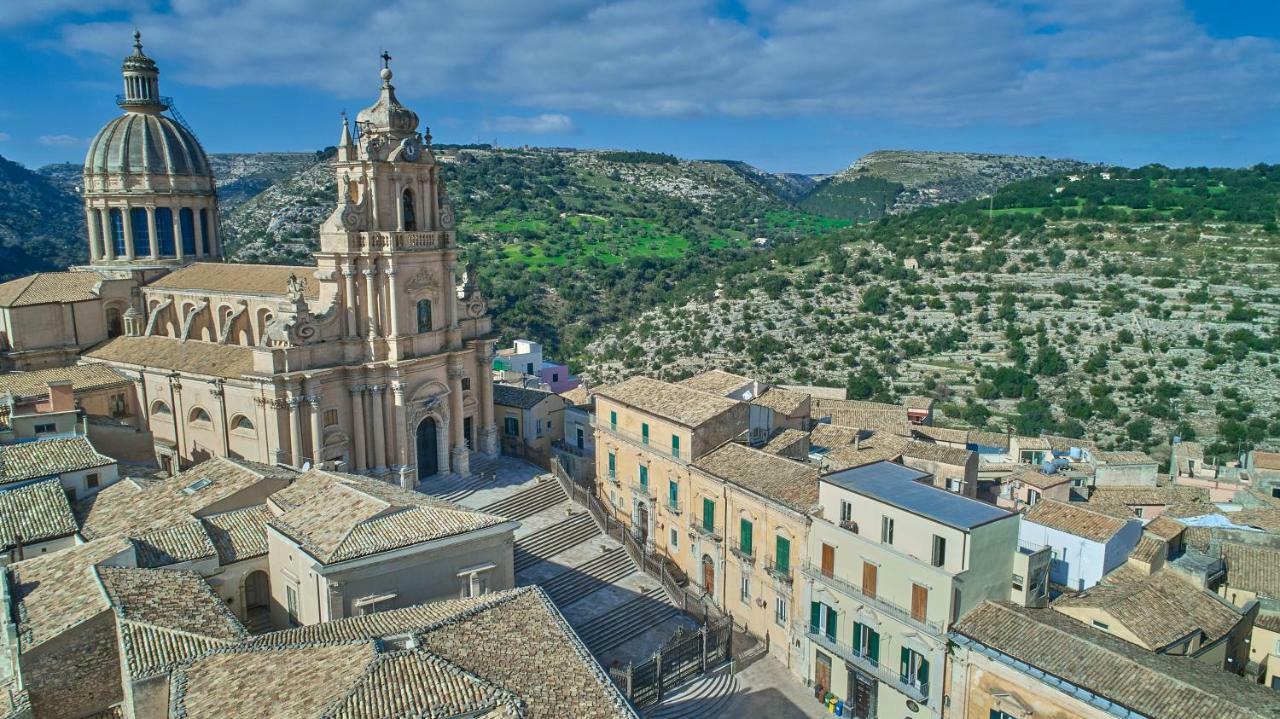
(474, 581)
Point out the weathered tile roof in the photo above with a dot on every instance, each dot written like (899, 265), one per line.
(943, 434)
(1164, 527)
(29, 385)
(1266, 460)
(987, 439)
(36, 512)
(849, 447)
(336, 517)
(1033, 443)
(678, 403)
(48, 457)
(1269, 621)
(786, 439)
(1066, 444)
(50, 287)
(936, 453)
(1141, 495)
(1127, 458)
(200, 358)
(228, 278)
(1074, 519)
(239, 534)
(579, 396)
(15, 702)
(715, 381)
(1158, 609)
(1253, 568)
(1155, 685)
(1189, 450)
(1268, 520)
(1149, 548)
(1028, 474)
(791, 483)
(54, 592)
(783, 401)
(510, 653)
(863, 415)
(915, 401)
(166, 616)
(181, 542)
(508, 395)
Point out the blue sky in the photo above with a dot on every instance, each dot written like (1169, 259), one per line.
(799, 85)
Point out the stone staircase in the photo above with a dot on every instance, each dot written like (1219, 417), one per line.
(547, 493)
(626, 621)
(550, 541)
(258, 621)
(483, 470)
(592, 575)
(707, 696)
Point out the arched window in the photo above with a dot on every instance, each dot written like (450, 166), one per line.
(242, 422)
(115, 325)
(187, 219)
(160, 408)
(204, 230)
(141, 232)
(199, 415)
(164, 232)
(424, 315)
(406, 210)
(117, 232)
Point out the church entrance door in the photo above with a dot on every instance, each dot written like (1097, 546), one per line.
(428, 460)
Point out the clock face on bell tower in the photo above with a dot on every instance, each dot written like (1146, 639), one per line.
(411, 149)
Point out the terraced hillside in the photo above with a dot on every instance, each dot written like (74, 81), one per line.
(1126, 329)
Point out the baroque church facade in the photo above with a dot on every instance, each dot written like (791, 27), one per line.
(375, 360)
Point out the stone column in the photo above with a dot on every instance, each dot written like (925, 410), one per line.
(195, 220)
(371, 289)
(317, 440)
(108, 242)
(349, 275)
(458, 441)
(394, 309)
(95, 234)
(488, 433)
(451, 295)
(127, 218)
(357, 427)
(177, 231)
(295, 429)
(151, 233)
(379, 428)
(215, 237)
(399, 430)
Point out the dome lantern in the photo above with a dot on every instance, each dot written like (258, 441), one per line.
(141, 81)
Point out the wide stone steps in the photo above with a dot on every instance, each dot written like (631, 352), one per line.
(706, 696)
(550, 541)
(482, 469)
(548, 493)
(626, 621)
(592, 575)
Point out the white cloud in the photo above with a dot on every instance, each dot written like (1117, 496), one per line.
(935, 62)
(545, 124)
(5, 137)
(61, 140)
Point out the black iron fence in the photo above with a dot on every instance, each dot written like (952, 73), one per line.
(689, 653)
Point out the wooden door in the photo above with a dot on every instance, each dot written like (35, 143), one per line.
(822, 675)
(708, 574)
(257, 590)
(828, 560)
(862, 695)
(869, 579)
(919, 602)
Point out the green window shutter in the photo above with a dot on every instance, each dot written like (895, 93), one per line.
(904, 663)
(675, 445)
(673, 493)
(644, 433)
(709, 515)
(873, 646)
(613, 420)
(815, 616)
(613, 463)
(745, 532)
(922, 672)
(783, 550)
(644, 476)
(831, 624)
(857, 637)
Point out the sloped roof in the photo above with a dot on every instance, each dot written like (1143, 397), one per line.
(1253, 568)
(336, 517)
(27, 385)
(1164, 527)
(863, 415)
(715, 381)
(1159, 609)
(579, 396)
(794, 484)
(239, 534)
(508, 395)
(49, 288)
(54, 592)
(200, 358)
(1148, 549)
(239, 279)
(1127, 458)
(1074, 519)
(1028, 474)
(936, 453)
(1156, 685)
(679, 403)
(36, 512)
(48, 457)
(783, 401)
(1142, 495)
(786, 439)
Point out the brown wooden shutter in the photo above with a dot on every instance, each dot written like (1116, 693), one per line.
(869, 579)
(919, 602)
(828, 560)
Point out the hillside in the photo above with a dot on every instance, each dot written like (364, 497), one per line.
(896, 181)
(1128, 328)
(790, 186)
(41, 223)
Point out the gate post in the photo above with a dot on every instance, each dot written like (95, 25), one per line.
(657, 674)
(703, 632)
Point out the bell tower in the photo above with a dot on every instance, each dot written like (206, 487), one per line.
(389, 249)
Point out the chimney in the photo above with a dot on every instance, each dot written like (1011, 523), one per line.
(62, 396)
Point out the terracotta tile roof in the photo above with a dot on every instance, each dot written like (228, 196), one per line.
(863, 415)
(1149, 548)
(200, 358)
(843, 453)
(715, 381)
(1126, 458)
(511, 396)
(943, 434)
(29, 385)
(335, 517)
(1269, 621)
(915, 401)
(54, 592)
(240, 534)
(1268, 520)
(1155, 685)
(783, 401)
(785, 440)
(1164, 527)
(1140, 495)
(49, 288)
(1066, 444)
(1158, 609)
(579, 396)
(791, 483)
(1266, 460)
(1189, 450)
(678, 403)
(166, 616)
(987, 439)
(182, 542)
(936, 453)
(1074, 519)
(1028, 474)
(48, 457)
(36, 512)
(1033, 443)
(15, 702)
(239, 279)
(1253, 568)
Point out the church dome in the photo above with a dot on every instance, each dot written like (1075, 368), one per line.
(146, 144)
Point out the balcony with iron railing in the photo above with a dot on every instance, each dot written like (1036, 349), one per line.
(662, 449)
(871, 599)
(641, 489)
(563, 446)
(612, 476)
(914, 689)
(780, 571)
(710, 531)
(746, 554)
(673, 506)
